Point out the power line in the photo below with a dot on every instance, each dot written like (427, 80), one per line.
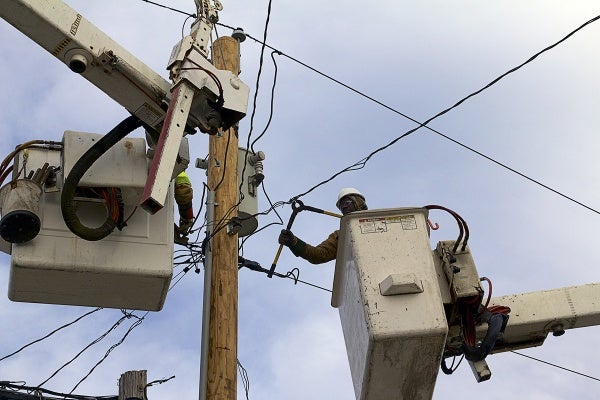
(556, 366)
(95, 341)
(137, 323)
(14, 391)
(361, 163)
(52, 333)
(170, 8)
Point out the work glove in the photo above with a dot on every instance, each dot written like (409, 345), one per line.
(287, 238)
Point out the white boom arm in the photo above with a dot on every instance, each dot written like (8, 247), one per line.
(534, 315)
(88, 51)
(201, 96)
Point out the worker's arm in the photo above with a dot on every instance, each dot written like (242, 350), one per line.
(324, 252)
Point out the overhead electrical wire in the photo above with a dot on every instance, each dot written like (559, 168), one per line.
(361, 163)
(137, 323)
(556, 366)
(95, 341)
(39, 390)
(272, 105)
(52, 333)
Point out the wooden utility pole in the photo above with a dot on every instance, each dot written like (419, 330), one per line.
(132, 385)
(222, 178)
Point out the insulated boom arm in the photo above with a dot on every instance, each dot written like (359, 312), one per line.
(88, 51)
(534, 315)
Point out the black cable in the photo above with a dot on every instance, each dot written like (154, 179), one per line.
(158, 381)
(271, 103)
(259, 73)
(4, 384)
(172, 9)
(254, 102)
(294, 274)
(360, 164)
(271, 208)
(245, 379)
(52, 333)
(137, 323)
(95, 341)
(555, 365)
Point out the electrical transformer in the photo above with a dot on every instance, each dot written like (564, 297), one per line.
(130, 268)
(388, 296)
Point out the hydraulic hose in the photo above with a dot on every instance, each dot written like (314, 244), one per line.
(84, 163)
(496, 325)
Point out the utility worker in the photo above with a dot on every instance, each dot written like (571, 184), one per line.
(349, 200)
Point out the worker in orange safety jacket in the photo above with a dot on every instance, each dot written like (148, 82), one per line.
(349, 200)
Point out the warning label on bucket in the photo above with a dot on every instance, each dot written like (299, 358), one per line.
(378, 225)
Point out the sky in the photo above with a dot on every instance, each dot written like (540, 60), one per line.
(416, 57)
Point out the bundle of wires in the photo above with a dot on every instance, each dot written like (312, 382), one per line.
(6, 168)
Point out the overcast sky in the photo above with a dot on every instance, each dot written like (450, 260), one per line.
(416, 57)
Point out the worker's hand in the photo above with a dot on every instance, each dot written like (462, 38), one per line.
(287, 238)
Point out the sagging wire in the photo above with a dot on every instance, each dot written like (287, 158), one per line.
(137, 323)
(272, 102)
(245, 379)
(52, 333)
(361, 163)
(250, 145)
(273, 207)
(294, 274)
(185, 22)
(13, 386)
(95, 341)
(451, 369)
(156, 382)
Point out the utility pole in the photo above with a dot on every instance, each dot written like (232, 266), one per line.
(132, 385)
(222, 179)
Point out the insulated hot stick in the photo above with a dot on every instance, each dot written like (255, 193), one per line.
(297, 206)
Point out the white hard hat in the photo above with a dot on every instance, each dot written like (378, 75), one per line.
(345, 192)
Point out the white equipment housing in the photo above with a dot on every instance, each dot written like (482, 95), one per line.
(129, 269)
(387, 292)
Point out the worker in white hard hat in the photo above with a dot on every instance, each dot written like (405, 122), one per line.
(349, 200)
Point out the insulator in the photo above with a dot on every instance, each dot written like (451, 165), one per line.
(258, 167)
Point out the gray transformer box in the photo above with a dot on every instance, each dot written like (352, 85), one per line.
(388, 296)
